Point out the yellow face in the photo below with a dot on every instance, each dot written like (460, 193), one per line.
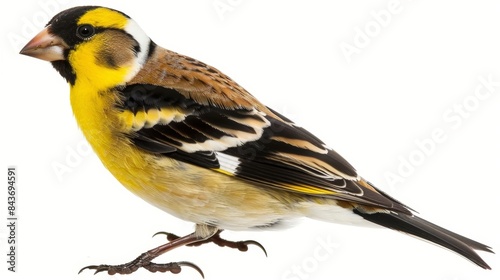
(95, 58)
(82, 45)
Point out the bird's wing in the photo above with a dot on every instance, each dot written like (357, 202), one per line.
(232, 133)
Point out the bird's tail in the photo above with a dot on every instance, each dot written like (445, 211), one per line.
(421, 228)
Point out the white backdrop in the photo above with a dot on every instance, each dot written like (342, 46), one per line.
(407, 91)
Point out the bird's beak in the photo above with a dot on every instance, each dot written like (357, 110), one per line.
(46, 46)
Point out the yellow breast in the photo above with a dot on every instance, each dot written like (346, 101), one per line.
(186, 191)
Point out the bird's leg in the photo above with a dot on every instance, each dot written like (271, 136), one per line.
(240, 245)
(144, 260)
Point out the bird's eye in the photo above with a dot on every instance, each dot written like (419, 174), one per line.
(85, 31)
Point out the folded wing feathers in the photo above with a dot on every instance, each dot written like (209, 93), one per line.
(247, 143)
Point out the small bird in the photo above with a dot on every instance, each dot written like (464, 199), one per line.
(189, 140)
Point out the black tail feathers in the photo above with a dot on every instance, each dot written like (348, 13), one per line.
(421, 228)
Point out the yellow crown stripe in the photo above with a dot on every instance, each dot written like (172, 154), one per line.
(102, 17)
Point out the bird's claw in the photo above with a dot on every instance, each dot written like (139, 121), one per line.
(111, 269)
(242, 246)
(173, 267)
(128, 268)
(170, 236)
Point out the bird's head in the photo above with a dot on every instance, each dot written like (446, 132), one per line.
(92, 44)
